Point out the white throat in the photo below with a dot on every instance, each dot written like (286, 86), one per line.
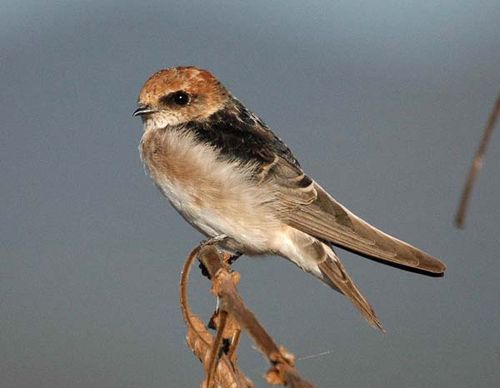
(161, 120)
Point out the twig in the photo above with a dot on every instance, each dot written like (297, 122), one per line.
(476, 165)
(216, 348)
(223, 285)
(227, 373)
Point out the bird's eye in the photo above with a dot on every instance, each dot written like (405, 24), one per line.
(180, 98)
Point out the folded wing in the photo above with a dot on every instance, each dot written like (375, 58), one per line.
(306, 206)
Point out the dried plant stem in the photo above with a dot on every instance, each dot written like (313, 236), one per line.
(476, 165)
(219, 360)
(216, 348)
(224, 286)
(199, 339)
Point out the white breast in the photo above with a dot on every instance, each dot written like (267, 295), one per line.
(216, 196)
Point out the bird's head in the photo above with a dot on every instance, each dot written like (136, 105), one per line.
(178, 95)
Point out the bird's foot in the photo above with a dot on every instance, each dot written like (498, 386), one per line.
(214, 240)
(233, 256)
(211, 241)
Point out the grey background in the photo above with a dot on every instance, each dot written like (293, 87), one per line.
(383, 103)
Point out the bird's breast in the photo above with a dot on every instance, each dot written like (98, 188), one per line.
(217, 196)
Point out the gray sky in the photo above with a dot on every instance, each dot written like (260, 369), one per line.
(383, 103)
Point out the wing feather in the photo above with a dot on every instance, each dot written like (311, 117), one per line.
(240, 135)
(306, 206)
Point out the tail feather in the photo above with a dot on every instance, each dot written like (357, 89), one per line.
(320, 260)
(335, 275)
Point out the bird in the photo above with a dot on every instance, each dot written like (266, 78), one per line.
(234, 180)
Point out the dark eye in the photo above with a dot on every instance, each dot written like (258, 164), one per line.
(180, 98)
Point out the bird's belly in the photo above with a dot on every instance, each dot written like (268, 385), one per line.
(190, 208)
(250, 225)
(214, 195)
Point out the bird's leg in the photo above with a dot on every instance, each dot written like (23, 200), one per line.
(211, 241)
(231, 257)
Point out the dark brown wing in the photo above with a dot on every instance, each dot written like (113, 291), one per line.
(240, 135)
(325, 218)
(306, 206)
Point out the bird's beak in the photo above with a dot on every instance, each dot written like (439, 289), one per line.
(143, 110)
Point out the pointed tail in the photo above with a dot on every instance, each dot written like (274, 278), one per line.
(320, 260)
(336, 276)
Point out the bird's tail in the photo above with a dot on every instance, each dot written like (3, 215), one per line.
(320, 260)
(335, 275)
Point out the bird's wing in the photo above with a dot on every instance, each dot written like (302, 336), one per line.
(240, 135)
(306, 206)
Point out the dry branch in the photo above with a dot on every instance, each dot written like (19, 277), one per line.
(476, 165)
(200, 341)
(218, 359)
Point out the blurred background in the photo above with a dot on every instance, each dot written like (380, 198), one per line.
(383, 103)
